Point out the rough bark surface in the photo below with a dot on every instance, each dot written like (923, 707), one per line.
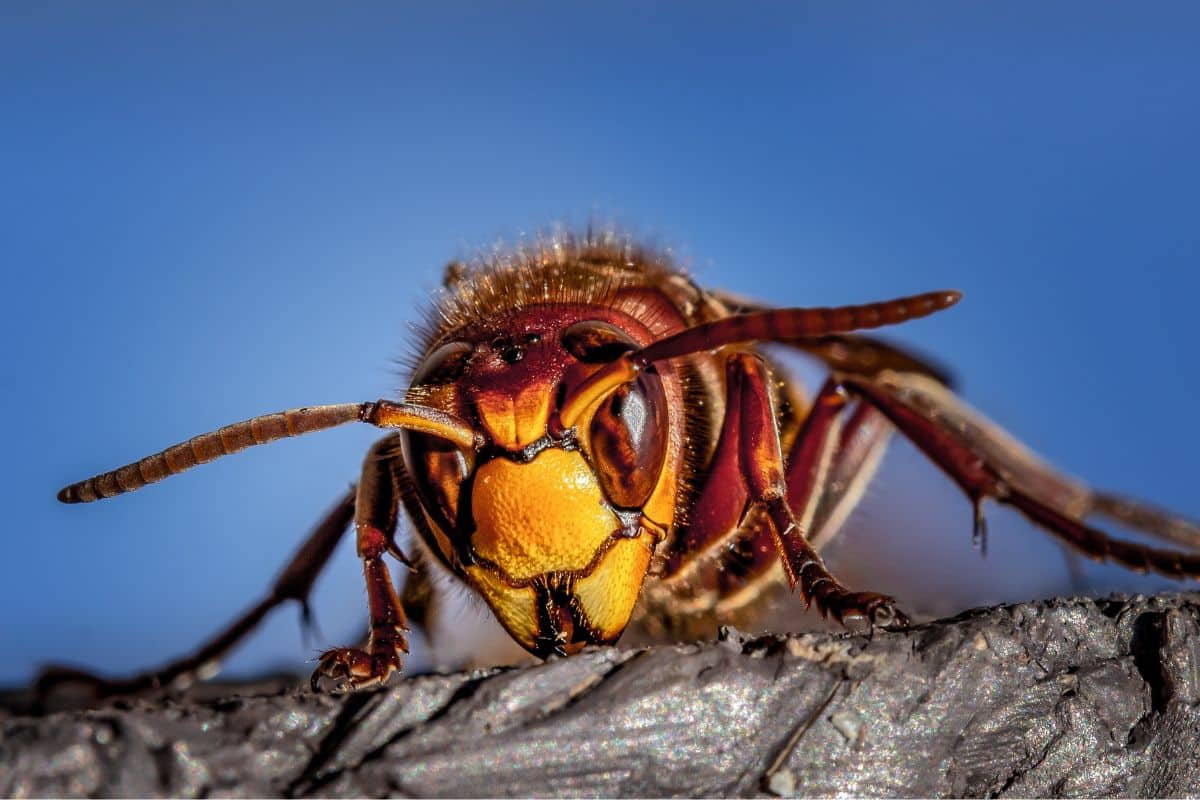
(1060, 698)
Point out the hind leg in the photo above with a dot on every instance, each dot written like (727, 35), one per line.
(987, 463)
(295, 582)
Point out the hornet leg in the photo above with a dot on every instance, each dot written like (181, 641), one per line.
(294, 583)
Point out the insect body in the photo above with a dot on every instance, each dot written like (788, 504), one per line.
(590, 441)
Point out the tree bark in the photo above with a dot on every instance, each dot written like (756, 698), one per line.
(1059, 698)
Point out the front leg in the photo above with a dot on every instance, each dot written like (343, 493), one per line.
(747, 469)
(760, 458)
(375, 515)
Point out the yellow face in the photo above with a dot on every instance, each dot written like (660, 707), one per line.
(553, 560)
(555, 527)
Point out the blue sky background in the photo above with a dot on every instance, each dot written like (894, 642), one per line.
(215, 210)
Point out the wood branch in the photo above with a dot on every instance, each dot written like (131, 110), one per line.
(1058, 698)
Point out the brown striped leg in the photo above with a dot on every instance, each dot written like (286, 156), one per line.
(856, 449)
(801, 489)
(375, 517)
(748, 468)
(865, 434)
(294, 583)
(986, 464)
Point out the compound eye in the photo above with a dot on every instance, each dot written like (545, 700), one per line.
(444, 365)
(628, 440)
(595, 342)
(438, 470)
